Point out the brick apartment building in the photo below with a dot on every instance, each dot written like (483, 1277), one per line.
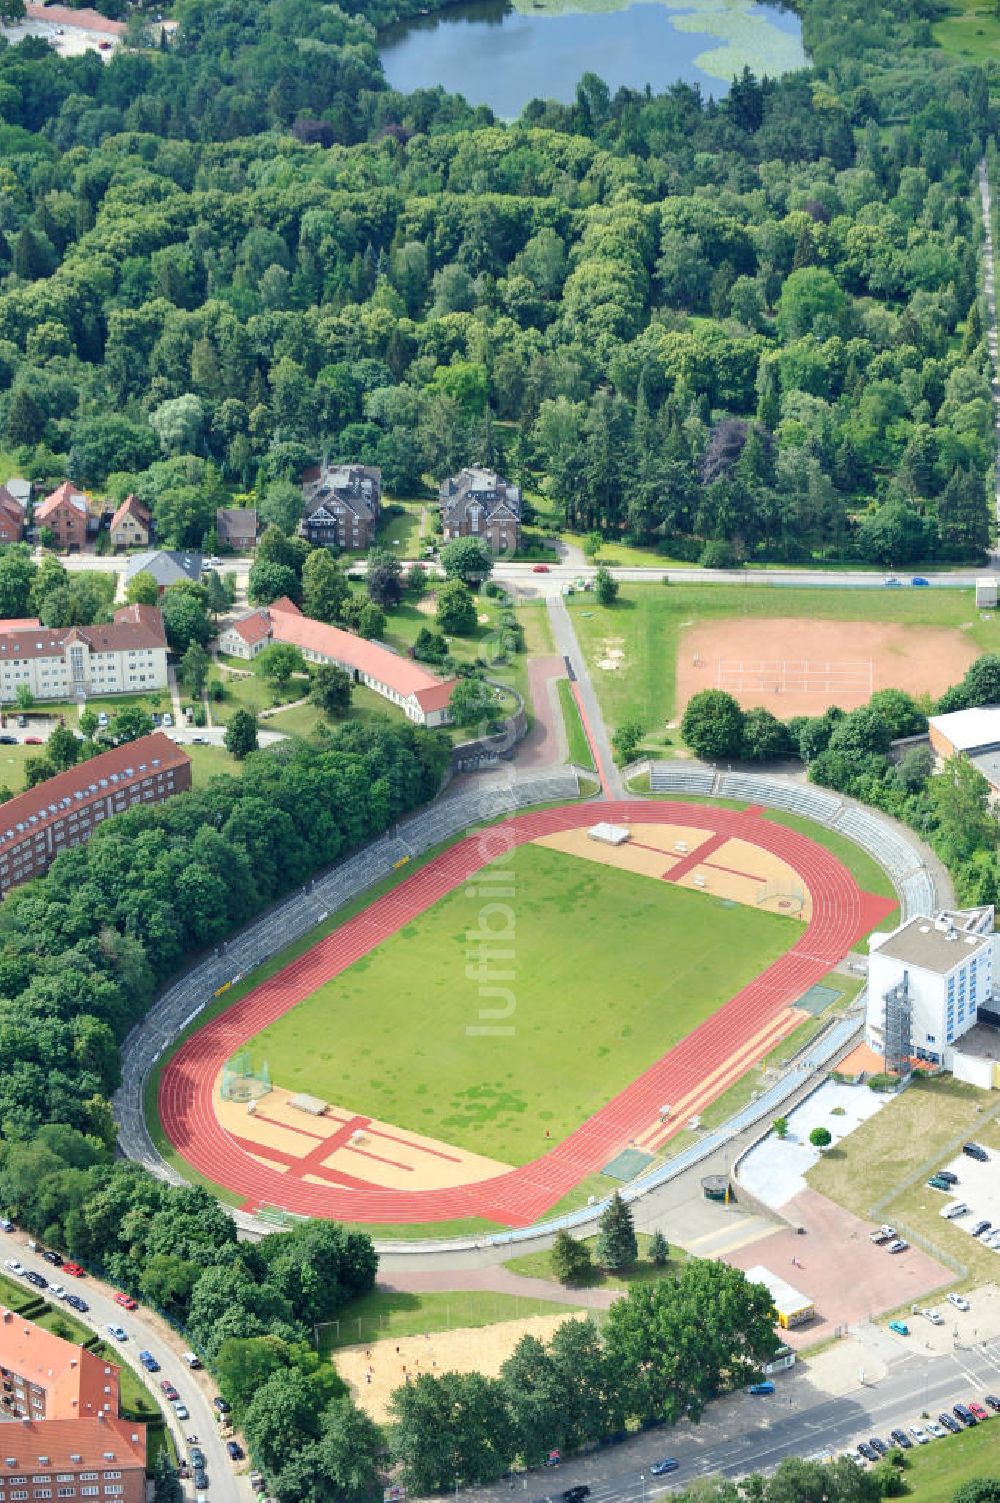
(65, 514)
(68, 1440)
(11, 517)
(342, 504)
(66, 810)
(125, 656)
(420, 694)
(479, 504)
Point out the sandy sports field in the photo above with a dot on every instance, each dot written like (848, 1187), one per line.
(793, 666)
(373, 1372)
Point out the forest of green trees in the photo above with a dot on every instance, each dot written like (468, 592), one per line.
(749, 327)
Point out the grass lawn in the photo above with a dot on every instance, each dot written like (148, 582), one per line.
(972, 31)
(158, 700)
(934, 1472)
(209, 762)
(538, 1265)
(13, 761)
(538, 640)
(250, 693)
(882, 1168)
(579, 746)
(647, 621)
(390, 1036)
(387, 1315)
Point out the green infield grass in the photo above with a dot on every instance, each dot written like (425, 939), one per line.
(647, 621)
(404, 1035)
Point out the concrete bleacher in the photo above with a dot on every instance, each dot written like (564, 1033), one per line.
(797, 798)
(671, 777)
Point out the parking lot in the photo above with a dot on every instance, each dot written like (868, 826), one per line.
(979, 1188)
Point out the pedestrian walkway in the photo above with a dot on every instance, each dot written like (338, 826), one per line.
(590, 711)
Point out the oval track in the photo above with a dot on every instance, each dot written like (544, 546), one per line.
(841, 913)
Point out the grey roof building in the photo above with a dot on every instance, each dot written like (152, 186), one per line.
(342, 504)
(479, 504)
(167, 568)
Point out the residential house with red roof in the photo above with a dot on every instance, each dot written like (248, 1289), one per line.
(65, 515)
(130, 525)
(11, 517)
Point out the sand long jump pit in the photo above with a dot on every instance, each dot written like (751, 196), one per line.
(793, 666)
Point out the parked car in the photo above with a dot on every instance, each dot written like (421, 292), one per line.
(938, 1431)
(221, 1404)
(235, 1450)
(668, 1464)
(539, 568)
(898, 1245)
(126, 1301)
(761, 1388)
(180, 1409)
(118, 1332)
(919, 1434)
(867, 1451)
(935, 1317)
(576, 1494)
(73, 1269)
(947, 1174)
(149, 1362)
(22, 722)
(191, 1359)
(102, 717)
(962, 1412)
(993, 1402)
(200, 1477)
(980, 1227)
(169, 1389)
(950, 1423)
(57, 1291)
(902, 1439)
(879, 1446)
(6, 1225)
(955, 1210)
(36, 1279)
(197, 1456)
(959, 1301)
(13, 1265)
(33, 741)
(978, 1410)
(920, 582)
(8, 740)
(937, 1183)
(892, 583)
(168, 720)
(76, 1303)
(900, 1327)
(975, 1151)
(53, 1257)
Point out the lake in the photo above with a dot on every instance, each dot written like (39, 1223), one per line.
(504, 55)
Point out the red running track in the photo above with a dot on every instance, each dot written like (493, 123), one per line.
(841, 914)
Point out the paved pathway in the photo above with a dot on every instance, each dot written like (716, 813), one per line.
(991, 304)
(500, 1281)
(590, 710)
(545, 743)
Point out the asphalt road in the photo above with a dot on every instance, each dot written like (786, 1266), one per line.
(741, 1434)
(147, 1331)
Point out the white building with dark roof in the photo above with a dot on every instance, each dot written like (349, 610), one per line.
(126, 656)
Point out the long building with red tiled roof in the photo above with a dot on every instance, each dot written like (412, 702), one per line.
(66, 810)
(420, 694)
(125, 656)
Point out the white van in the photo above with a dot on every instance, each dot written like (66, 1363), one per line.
(191, 1358)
